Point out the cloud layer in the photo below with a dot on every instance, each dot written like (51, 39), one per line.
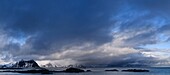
(85, 31)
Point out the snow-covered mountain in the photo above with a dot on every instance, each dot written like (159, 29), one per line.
(22, 64)
(25, 64)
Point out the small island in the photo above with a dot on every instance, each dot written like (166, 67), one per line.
(112, 70)
(135, 70)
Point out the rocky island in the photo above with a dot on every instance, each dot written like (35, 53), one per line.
(135, 70)
(112, 70)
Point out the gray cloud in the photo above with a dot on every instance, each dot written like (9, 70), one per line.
(84, 31)
(57, 23)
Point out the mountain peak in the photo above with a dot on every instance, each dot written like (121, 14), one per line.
(25, 64)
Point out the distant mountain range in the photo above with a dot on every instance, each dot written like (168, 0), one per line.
(75, 66)
(94, 65)
(22, 64)
(33, 64)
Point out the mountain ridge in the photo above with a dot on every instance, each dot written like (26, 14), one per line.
(22, 64)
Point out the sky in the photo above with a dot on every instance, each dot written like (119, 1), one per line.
(88, 32)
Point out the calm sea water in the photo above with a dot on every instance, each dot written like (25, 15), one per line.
(100, 71)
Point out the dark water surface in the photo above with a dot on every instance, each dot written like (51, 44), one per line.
(100, 71)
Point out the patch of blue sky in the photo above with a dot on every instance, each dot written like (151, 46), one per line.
(161, 45)
(20, 39)
(163, 37)
(158, 21)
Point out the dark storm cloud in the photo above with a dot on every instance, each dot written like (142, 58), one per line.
(153, 4)
(58, 22)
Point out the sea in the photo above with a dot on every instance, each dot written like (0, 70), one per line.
(101, 71)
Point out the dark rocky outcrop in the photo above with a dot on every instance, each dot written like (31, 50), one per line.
(112, 70)
(135, 70)
(73, 70)
(88, 70)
